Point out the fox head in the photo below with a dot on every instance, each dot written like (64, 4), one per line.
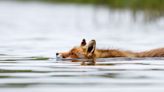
(84, 51)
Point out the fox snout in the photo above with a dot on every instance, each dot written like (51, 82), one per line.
(59, 55)
(62, 55)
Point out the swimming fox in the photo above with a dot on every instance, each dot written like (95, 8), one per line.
(89, 51)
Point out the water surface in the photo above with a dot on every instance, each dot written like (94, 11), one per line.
(32, 32)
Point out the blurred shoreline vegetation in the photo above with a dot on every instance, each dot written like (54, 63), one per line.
(116, 4)
(153, 9)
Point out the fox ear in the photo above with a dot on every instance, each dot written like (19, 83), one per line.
(83, 43)
(91, 46)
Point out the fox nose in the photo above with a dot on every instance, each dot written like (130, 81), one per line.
(58, 57)
(57, 54)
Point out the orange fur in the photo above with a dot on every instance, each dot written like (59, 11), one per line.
(90, 52)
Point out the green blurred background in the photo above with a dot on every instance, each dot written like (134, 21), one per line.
(153, 9)
(123, 4)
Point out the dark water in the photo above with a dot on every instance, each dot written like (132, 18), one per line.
(31, 33)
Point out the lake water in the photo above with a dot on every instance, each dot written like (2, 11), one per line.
(32, 32)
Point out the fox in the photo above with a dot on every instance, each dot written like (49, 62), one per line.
(90, 52)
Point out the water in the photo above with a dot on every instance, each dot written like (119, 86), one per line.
(32, 32)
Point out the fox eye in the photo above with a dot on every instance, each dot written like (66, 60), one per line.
(71, 53)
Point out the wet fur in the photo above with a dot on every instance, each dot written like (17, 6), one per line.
(101, 53)
(90, 52)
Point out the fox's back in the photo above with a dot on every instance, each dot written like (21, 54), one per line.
(152, 53)
(100, 53)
